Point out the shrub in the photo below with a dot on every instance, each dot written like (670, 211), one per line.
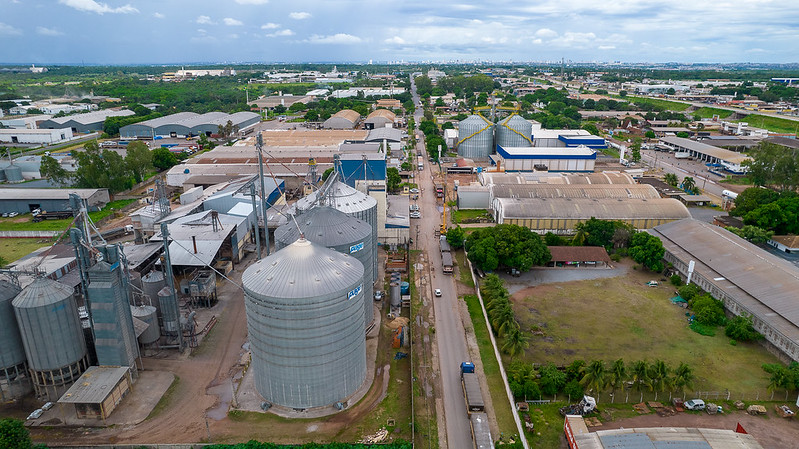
(688, 292)
(708, 310)
(675, 280)
(573, 389)
(740, 328)
(615, 257)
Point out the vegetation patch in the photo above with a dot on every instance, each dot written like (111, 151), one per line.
(710, 112)
(773, 124)
(163, 403)
(659, 104)
(14, 249)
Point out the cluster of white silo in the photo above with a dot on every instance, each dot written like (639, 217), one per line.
(310, 302)
(477, 135)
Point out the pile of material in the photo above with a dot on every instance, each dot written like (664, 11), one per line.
(378, 437)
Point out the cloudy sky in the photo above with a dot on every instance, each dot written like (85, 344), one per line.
(177, 31)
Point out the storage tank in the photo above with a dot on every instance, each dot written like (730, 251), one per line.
(169, 310)
(2, 175)
(52, 335)
(13, 173)
(340, 232)
(475, 137)
(396, 297)
(305, 323)
(514, 131)
(356, 204)
(148, 315)
(14, 380)
(152, 283)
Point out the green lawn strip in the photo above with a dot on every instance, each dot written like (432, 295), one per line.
(710, 112)
(13, 249)
(773, 124)
(664, 104)
(465, 214)
(165, 399)
(496, 386)
(463, 269)
(608, 319)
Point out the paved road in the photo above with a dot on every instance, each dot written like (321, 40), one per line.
(682, 168)
(450, 333)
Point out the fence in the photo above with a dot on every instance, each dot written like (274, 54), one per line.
(633, 396)
(29, 234)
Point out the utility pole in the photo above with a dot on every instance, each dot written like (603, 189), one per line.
(259, 147)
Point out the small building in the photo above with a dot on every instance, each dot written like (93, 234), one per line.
(345, 119)
(785, 243)
(389, 103)
(35, 136)
(556, 159)
(397, 228)
(578, 256)
(26, 200)
(380, 118)
(474, 196)
(390, 135)
(695, 200)
(84, 123)
(98, 391)
(726, 221)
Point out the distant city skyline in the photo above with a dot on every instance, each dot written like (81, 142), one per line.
(163, 32)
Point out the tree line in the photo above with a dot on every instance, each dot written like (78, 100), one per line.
(501, 316)
(530, 382)
(766, 209)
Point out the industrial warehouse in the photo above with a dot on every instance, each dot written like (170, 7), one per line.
(188, 124)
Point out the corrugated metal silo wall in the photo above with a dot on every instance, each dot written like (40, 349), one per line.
(477, 138)
(168, 300)
(52, 334)
(12, 353)
(308, 352)
(152, 283)
(114, 336)
(512, 132)
(148, 315)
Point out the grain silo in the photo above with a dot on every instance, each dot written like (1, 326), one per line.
(340, 232)
(305, 323)
(14, 380)
(148, 315)
(170, 311)
(514, 131)
(476, 137)
(13, 174)
(342, 197)
(152, 283)
(47, 316)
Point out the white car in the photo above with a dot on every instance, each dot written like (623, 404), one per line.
(695, 404)
(36, 413)
(13, 214)
(414, 207)
(415, 214)
(414, 190)
(438, 293)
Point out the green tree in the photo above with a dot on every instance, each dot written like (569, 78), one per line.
(647, 250)
(297, 107)
(740, 328)
(774, 165)
(424, 85)
(683, 134)
(768, 216)
(553, 239)
(406, 166)
(14, 435)
(595, 376)
(622, 93)
(658, 375)
(688, 184)
(708, 310)
(752, 233)
(689, 291)
(617, 375)
(393, 179)
(312, 116)
(503, 320)
(515, 342)
(639, 373)
(751, 199)
(456, 237)
(683, 377)
(573, 389)
(551, 380)
(163, 159)
(327, 174)
(104, 169)
(671, 179)
(515, 246)
(52, 170)
(139, 160)
(650, 134)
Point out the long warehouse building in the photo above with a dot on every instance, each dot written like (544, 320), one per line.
(748, 279)
(185, 124)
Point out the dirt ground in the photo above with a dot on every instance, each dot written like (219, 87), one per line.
(771, 431)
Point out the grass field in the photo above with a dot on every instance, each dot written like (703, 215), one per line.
(620, 317)
(496, 387)
(710, 112)
(25, 222)
(773, 124)
(13, 249)
(658, 103)
(458, 216)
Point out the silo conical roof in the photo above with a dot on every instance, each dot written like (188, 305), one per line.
(302, 270)
(42, 292)
(325, 226)
(341, 197)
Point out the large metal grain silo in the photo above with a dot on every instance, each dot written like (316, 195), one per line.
(52, 335)
(14, 379)
(340, 232)
(152, 283)
(148, 315)
(475, 137)
(305, 323)
(514, 131)
(356, 204)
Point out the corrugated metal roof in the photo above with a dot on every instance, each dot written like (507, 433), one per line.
(606, 177)
(579, 254)
(341, 197)
(42, 292)
(381, 133)
(302, 270)
(91, 117)
(382, 113)
(581, 208)
(703, 148)
(94, 385)
(768, 284)
(348, 114)
(641, 191)
(45, 194)
(325, 226)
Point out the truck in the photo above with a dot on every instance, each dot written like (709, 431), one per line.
(439, 190)
(419, 163)
(471, 389)
(57, 215)
(446, 262)
(481, 433)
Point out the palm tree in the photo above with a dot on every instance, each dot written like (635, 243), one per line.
(658, 374)
(688, 184)
(617, 375)
(671, 179)
(579, 237)
(639, 373)
(595, 376)
(683, 377)
(515, 343)
(503, 319)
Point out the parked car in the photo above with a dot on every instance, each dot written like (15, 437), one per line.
(414, 207)
(13, 214)
(36, 413)
(48, 406)
(695, 404)
(415, 214)
(414, 190)
(438, 293)
(5, 215)
(378, 295)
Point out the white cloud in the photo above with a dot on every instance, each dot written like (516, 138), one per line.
(286, 32)
(252, 2)
(8, 29)
(99, 8)
(300, 15)
(546, 33)
(232, 22)
(607, 47)
(338, 38)
(158, 15)
(204, 20)
(270, 26)
(48, 31)
(395, 40)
